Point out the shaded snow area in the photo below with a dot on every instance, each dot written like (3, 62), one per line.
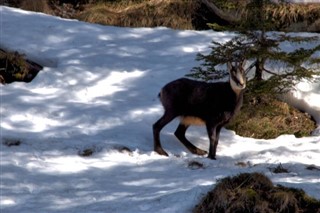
(98, 91)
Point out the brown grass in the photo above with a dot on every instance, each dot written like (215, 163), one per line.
(183, 14)
(266, 117)
(278, 169)
(15, 67)
(284, 15)
(314, 27)
(176, 14)
(36, 5)
(254, 192)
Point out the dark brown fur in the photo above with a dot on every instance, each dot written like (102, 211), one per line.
(214, 104)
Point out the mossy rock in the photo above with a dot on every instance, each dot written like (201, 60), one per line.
(254, 192)
(264, 116)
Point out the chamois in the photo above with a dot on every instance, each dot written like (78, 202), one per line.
(195, 102)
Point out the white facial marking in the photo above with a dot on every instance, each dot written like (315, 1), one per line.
(239, 83)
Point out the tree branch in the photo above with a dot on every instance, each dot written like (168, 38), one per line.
(251, 66)
(270, 72)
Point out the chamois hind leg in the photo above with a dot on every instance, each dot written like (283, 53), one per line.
(180, 133)
(157, 127)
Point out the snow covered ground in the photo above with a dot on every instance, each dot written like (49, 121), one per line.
(98, 91)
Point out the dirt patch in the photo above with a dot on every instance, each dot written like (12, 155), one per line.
(11, 142)
(194, 165)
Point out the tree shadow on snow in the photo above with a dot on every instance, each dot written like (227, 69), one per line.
(99, 89)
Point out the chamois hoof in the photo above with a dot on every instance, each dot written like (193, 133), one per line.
(212, 157)
(199, 152)
(160, 151)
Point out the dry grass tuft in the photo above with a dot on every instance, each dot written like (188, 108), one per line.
(177, 14)
(15, 67)
(150, 13)
(254, 192)
(36, 6)
(285, 15)
(314, 27)
(266, 117)
(279, 169)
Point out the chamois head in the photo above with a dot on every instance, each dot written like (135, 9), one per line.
(237, 76)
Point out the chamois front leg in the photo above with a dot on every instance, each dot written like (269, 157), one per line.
(213, 134)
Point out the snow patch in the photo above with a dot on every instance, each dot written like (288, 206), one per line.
(97, 91)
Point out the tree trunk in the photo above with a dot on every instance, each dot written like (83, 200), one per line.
(229, 17)
(259, 69)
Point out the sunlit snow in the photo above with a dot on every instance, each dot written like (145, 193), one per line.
(98, 91)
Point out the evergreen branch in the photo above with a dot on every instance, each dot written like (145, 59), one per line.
(297, 39)
(270, 72)
(251, 66)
